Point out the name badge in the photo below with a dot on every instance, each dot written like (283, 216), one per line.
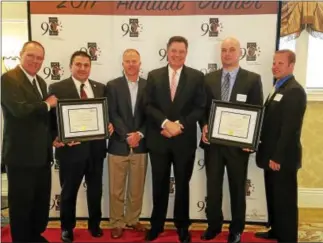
(278, 97)
(241, 97)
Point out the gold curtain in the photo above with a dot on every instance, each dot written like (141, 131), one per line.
(299, 16)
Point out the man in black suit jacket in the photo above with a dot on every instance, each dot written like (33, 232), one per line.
(127, 146)
(27, 145)
(175, 102)
(232, 84)
(80, 159)
(280, 150)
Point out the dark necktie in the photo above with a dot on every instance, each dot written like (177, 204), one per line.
(82, 92)
(36, 89)
(225, 88)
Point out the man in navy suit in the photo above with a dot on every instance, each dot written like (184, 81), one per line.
(127, 146)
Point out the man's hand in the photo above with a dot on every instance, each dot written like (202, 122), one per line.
(248, 150)
(274, 166)
(205, 130)
(173, 128)
(57, 143)
(165, 133)
(52, 101)
(110, 128)
(133, 139)
(73, 143)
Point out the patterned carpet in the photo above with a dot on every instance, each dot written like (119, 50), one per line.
(308, 232)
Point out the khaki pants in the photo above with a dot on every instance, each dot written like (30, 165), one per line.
(126, 210)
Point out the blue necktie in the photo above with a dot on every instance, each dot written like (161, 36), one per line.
(225, 88)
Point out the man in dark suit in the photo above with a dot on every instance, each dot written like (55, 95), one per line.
(175, 102)
(231, 84)
(27, 145)
(280, 150)
(80, 159)
(127, 150)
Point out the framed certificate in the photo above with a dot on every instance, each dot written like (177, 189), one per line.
(82, 119)
(235, 124)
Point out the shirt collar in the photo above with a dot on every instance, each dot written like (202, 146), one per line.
(178, 71)
(78, 83)
(30, 78)
(283, 80)
(233, 73)
(131, 81)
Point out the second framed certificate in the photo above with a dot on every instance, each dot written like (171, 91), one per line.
(82, 119)
(235, 124)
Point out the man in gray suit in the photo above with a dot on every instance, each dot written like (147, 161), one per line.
(232, 84)
(127, 146)
(27, 145)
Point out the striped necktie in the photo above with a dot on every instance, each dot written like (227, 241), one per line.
(225, 87)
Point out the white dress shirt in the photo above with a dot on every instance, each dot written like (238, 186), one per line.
(87, 88)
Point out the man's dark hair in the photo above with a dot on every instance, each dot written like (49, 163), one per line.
(177, 39)
(78, 54)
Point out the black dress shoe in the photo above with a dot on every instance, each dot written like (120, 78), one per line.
(67, 236)
(39, 239)
(184, 235)
(152, 234)
(96, 232)
(269, 235)
(209, 234)
(234, 238)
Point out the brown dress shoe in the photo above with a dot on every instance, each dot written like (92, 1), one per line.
(116, 232)
(137, 227)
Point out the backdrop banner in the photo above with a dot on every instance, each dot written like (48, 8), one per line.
(105, 29)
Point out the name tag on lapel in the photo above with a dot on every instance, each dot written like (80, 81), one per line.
(241, 97)
(278, 97)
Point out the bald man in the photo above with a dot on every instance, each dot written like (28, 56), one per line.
(232, 84)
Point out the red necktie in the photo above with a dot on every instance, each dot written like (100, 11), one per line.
(83, 94)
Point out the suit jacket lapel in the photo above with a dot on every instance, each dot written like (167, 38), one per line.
(216, 89)
(279, 89)
(238, 84)
(165, 85)
(95, 90)
(26, 82)
(42, 87)
(125, 88)
(139, 94)
(73, 92)
(181, 84)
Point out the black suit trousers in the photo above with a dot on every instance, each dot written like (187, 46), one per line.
(236, 163)
(183, 164)
(281, 194)
(29, 199)
(71, 175)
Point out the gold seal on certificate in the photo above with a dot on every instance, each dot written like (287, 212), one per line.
(235, 124)
(82, 119)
